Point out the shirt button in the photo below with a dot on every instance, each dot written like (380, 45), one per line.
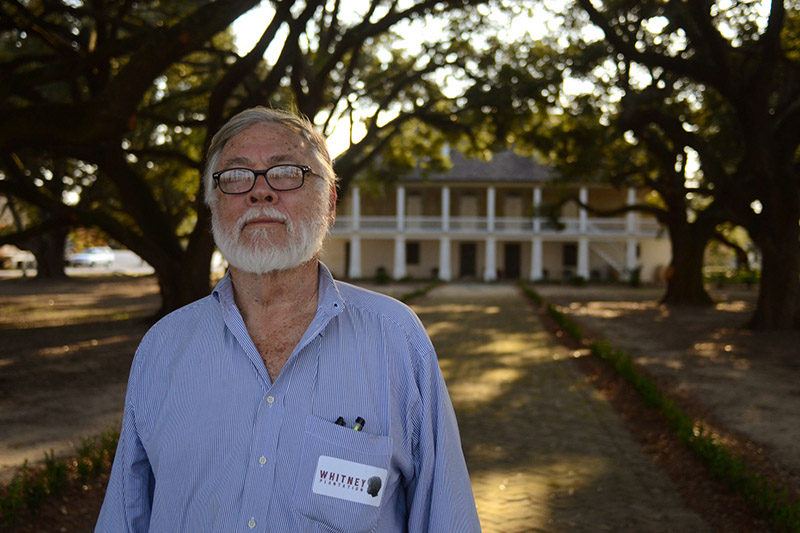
(251, 524)
(262, 460)
(270, 399)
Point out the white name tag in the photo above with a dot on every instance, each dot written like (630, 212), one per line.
(350, 481)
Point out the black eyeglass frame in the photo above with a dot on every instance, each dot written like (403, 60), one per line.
(256, 173)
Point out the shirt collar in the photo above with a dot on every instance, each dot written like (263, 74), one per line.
(330, 299)
(223, 291)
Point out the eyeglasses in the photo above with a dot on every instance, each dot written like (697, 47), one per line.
(279, 178)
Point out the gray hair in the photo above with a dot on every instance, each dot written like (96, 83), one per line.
(296, 122)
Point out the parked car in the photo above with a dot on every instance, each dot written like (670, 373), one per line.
(13, 257)
(98, 255)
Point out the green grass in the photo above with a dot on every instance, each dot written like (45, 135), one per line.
(530, 293)
(564, 322)
(768, 498)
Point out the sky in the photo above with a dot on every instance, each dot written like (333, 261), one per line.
(248, 28)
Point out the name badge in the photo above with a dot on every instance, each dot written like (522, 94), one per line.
(350, 481)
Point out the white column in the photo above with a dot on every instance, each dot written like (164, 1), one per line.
(399, 257)
(536, 259)
(355, 196)
(583, 257)
(401, 208)
(490, 199)
(583, 220)
(631, 261)
(444, 259)
(446, 211)
(630, 221)
(355, 257)
(537, 201)
(490, 272)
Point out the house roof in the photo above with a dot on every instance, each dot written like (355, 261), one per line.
(503, 167)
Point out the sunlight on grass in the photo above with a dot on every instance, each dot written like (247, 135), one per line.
(508, 344)
(442, 327)
(526, 496)
(736, 306)
(672, 364)
(77, 302)
(474, 393)
(495, 365)
(58, 351)
(603, 309)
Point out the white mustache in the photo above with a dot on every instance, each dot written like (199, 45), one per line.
(257, 212)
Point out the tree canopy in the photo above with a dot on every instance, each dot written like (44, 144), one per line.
(107, 107)
(674, 82)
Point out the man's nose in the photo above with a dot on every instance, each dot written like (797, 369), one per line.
(262, 192)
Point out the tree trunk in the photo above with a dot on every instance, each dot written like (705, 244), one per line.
(685, 284)
(183, 284)
(189, 279)
(779, 294)
(775, 230)
(49, 252)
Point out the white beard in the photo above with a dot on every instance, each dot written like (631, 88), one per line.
(260, 255)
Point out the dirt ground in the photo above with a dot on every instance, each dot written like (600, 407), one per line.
(66, 347)
(65, 352)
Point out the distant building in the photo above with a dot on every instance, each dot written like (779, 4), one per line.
(476, 221)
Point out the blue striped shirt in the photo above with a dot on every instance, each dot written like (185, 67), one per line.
(209, 443)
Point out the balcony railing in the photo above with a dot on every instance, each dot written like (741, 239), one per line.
(422, 224)
(502, 225)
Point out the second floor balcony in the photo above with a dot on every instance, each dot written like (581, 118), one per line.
(517, 226)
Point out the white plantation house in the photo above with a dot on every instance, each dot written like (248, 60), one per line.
(477, 221)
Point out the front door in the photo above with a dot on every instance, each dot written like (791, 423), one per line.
(468, 253)
(512, 257)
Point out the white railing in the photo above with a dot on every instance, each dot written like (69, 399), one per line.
(513, 225)
(378, 223)
(343, 224)
(433, 224)
(563, 225)
(469, 224)
(502, 225)
(606, 226)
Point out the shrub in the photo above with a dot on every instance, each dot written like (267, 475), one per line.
(382, 275)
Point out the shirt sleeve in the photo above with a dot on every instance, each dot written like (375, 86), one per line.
(440, 496)
(129, 495)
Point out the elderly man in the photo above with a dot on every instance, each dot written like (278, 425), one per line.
(285, 401)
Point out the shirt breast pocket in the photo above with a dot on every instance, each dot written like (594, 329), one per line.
(342, 477)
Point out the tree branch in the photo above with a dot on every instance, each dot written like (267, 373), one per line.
(113, 112)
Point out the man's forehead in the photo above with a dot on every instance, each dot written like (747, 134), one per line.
(271, 130)
(265, 143)
(238, 159)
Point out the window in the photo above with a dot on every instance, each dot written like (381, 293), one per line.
(414, 204)
(412, 253)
